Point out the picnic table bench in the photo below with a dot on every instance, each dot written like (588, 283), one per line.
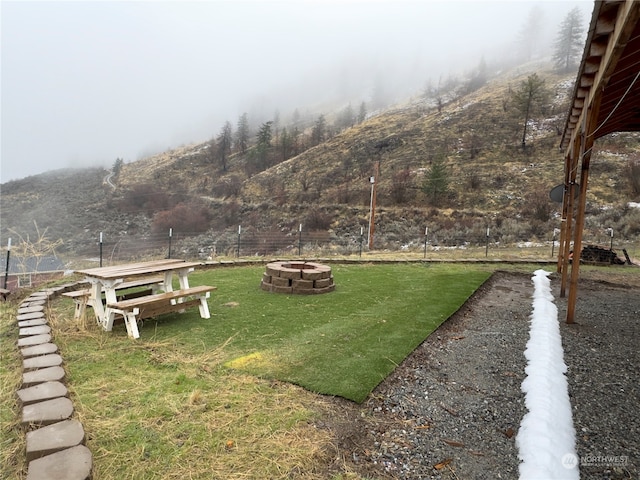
(81, 297)
(4, 292)
(148, 306)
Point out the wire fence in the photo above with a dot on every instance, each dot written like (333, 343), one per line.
(279, 242)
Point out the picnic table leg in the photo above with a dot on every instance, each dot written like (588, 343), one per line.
(132, 324)
(95, 298)
(109, 315)
(81, 307)
(204, 306)
(184, 281)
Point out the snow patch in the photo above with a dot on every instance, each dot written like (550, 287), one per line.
(546, 438)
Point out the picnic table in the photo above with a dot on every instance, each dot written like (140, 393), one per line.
(108, 280)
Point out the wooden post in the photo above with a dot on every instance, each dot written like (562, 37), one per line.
(586, 144)
(570, 189)
(6, 270)
(372, 220)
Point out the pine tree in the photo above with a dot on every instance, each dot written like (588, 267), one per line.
(528, 40)
(528, 99)
(362, 113)
(242, 133)
(319, 130)
(569, 42)
(223, 145)
(436, 184)
(263, 146)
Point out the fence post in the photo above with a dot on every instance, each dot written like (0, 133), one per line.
(100, 248)
(300, 240)
(6, 270)
(361, 238)
(486, 250)
(239, 232)
(426, 236)
(170, 235)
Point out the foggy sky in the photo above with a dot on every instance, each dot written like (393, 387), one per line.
(84, 83)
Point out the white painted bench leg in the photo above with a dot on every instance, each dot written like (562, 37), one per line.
(204, 306)
(132, 324)
(80, 308)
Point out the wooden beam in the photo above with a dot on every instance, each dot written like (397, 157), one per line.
(571, 172)
(586, 140)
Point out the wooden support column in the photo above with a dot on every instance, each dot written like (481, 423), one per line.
(586, 144)
(569, 199)
(563, 222)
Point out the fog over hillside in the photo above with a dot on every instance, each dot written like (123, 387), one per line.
(84, 83)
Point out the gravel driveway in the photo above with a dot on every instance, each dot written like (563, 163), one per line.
(452, 409)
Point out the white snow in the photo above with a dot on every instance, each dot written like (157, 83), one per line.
(546, 438)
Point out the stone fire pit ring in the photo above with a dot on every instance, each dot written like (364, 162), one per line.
(306, 278)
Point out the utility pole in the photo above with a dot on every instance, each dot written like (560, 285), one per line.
(372, 213)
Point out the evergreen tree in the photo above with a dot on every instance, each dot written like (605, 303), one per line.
(117, 166)
(264, 144)
(362, 114)
(319, 130)
(528, 99)
(346, 118)
(436, 183)
(528, 40)
(569, 42)
(285, 144)
(223, 146)
(242, 133)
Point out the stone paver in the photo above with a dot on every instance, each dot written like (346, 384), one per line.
(42, 361)
(50, 374)
(32, 323)
(32, 303)
(53, 438)
(70, 464)
(29, 316)
(41, 392)
(55, 443)
(30, 331)
(34, 340)
(47, 412)
(31, 309)
(42, 349)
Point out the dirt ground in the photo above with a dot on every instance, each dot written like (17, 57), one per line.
(452, 409)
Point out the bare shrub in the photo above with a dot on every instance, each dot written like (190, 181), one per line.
(228, 186)
(317, 220)
(538, 206)
(633, 168)
(145, 197)
(401, 186)
(184, 217)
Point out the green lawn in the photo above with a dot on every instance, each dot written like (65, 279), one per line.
(342, 343)
(200, 398)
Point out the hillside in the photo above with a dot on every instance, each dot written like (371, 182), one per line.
(475, 135)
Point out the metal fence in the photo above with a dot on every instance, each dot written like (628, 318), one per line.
(278, 242)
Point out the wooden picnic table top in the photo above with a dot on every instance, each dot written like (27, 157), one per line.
(137, 269)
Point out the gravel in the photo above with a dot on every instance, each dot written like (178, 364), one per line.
(452, 409)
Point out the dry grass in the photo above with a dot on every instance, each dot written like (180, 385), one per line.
(12, 438)
(152, 411)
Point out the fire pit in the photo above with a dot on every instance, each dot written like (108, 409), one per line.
(305, 278)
